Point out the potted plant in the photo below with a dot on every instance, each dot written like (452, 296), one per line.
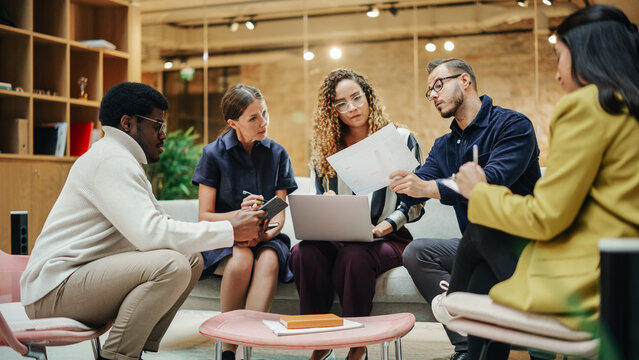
(171, 176)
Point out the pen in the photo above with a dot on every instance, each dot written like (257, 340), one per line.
(475, 154)
(244, 192)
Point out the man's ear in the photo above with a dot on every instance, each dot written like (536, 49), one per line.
(126, 123)
(466, 80)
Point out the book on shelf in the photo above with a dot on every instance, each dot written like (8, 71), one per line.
(310, 321)
(14, 139)
(80, 137)
(50, 138)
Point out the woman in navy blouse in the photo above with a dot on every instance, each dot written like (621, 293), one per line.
(348, 111)
(243, 160)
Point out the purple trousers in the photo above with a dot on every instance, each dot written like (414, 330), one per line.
(322, 268)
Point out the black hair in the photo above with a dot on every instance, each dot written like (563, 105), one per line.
(129, 98)
(454, 63)
(604, 47)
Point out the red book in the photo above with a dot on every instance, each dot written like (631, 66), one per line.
(80, 137)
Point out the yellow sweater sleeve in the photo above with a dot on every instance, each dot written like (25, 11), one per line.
(577, 142)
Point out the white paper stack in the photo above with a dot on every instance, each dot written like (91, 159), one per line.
(279, 329)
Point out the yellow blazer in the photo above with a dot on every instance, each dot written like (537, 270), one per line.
(590, 191)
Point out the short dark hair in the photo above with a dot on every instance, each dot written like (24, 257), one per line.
(129, 98)
(604, 47)
(454, 63)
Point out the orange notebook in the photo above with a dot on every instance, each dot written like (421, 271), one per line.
(311, 321)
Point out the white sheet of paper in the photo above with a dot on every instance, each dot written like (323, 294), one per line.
(279, 329)
(366, 166)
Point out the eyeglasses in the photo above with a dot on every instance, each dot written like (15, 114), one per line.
(160, 127)
(439, 84)
(357, 101)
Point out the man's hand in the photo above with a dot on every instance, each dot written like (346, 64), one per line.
(408, 183)
(469, 175)
(248, 226)
(382, 229)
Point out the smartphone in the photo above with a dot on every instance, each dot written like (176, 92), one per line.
(273, 207)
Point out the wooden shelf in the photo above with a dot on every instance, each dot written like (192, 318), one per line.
(14, 93)
(44, 55)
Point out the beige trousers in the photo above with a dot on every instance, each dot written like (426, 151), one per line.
(139, 291)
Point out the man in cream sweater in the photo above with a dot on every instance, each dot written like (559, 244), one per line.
(108, 252)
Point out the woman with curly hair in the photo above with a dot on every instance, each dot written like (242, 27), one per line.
(348, 111)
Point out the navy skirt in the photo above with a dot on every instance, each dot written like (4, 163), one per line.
(280, 243)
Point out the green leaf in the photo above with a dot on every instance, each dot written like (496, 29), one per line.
(171, 176)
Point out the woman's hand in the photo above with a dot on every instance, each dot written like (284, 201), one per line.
(329, 192)
(469, 175)
(382, 229)
(252, 202)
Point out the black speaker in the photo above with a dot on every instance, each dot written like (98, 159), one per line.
(19, 233)
(619, 318)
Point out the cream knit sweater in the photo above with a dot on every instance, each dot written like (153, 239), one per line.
(106, 207)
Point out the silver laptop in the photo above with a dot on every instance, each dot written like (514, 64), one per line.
(331, 217)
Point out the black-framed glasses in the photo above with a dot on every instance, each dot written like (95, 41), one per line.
(439, 85)
(357, 101)
(161, 124)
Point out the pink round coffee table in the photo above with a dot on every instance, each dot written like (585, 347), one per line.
(245, 327)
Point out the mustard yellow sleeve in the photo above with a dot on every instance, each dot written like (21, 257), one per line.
(576, 145)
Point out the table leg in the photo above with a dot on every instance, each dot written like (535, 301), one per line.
(246, 350)
(385, 346)
(218, 350)
(398, 349)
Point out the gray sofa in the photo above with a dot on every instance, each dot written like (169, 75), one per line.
(394, 291)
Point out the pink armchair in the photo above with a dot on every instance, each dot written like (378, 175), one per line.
(31, 337)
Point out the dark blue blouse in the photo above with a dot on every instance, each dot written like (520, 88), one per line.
(508, 153)
(226, 166)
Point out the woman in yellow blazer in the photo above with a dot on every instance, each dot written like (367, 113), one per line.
(591, 186)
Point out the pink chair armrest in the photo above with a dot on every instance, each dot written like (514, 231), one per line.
(483, 309)
(8, 338)
(586, 348)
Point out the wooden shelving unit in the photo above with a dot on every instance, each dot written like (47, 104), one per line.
(43, 58)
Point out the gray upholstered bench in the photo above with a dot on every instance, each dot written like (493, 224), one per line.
(394, 291)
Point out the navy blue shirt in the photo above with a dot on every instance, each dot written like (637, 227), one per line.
(508, 153)
(226, 166)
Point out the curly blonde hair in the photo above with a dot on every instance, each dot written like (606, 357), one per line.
(329, 130)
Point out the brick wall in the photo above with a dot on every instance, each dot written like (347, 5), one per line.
(503, 64)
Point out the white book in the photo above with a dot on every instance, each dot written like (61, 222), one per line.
(278, 329)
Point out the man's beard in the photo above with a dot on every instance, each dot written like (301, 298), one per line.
(457, 101)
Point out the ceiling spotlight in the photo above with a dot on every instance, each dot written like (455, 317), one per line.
(552, 39)
(372, 12)
(449, 45)
(335, 53)
(430, 47)
(308, 55)
(250, 24)
(168, 64)
(547, 2)
(234, 26)
(393, 9)
(522, 3)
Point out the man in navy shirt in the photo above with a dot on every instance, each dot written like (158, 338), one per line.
(508, 153)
